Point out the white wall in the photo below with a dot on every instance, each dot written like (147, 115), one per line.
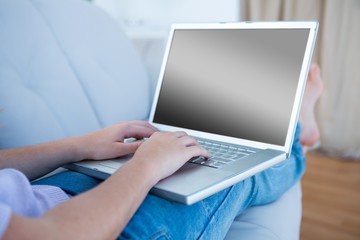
(165, 12)
(147, 22)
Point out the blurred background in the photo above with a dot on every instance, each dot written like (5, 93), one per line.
(331, 185)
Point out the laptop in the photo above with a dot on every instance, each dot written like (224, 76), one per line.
(237, 88)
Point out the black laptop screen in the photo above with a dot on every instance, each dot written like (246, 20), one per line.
(238, 83)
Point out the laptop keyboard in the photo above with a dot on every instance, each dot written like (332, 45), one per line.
(222, 154)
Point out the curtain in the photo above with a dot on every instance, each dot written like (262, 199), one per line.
(338, 53)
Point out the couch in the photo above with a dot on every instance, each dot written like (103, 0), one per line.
(67, 68)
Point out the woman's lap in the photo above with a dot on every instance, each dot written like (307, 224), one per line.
(210, 218)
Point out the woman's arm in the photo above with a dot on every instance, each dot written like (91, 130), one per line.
(38, 160)
(103, 212)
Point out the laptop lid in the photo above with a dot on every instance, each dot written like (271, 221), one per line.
(235, 82)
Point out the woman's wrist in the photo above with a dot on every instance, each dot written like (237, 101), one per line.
(147, 171)
(76, 148)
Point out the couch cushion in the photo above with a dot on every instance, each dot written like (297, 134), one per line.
(58, 81)
(279, 220)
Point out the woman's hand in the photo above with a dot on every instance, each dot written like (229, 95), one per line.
(165, 153)
(109, 142)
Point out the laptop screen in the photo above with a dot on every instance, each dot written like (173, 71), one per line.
(234, 82)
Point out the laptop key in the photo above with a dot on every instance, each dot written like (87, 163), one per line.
(198, 160)
(224, 160)
(238, 156)
(209, 162)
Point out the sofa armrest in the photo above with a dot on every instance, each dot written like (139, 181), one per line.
(278, 220)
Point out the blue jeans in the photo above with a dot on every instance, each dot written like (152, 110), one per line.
(210, 218)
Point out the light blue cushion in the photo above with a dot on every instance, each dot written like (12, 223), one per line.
(65, 76)
(66, 68)
(278, 220)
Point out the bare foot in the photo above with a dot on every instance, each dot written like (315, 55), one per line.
(310, 132)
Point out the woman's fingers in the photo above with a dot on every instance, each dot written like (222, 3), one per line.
(194, 148)
(137, 129)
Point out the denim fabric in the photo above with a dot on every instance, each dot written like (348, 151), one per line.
(212, 217)
(72, 183)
